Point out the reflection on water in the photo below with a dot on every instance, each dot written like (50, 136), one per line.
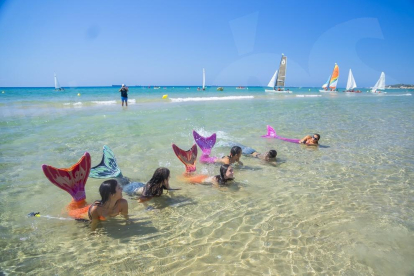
(341, 209)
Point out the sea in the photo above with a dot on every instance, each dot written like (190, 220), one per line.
(343, 208)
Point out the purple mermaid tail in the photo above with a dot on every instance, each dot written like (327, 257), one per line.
(205, 143)
(271, 133)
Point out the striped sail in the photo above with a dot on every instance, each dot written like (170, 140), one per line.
(282, 72)
(327, 82)
(334, 79)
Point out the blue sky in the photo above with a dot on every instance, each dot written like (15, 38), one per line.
(155, 42)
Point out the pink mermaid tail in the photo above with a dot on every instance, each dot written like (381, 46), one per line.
(188, 157)
(72, 179)
(207, 159)
(271, 133)
(205, 143)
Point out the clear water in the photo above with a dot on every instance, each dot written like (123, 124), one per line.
(347, 208)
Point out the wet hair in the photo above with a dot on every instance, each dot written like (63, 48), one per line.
(319, 137)
(235, 150)
(107, 188)
(272, 153)
(152, 188)
(221, 178)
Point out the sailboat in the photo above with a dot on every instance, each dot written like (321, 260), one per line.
(57, 85)
(204, 79)
(380, 85)
(351, 84)
(277, 82)
(332, 81)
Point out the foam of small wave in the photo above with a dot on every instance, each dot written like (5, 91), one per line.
(104, 102)
(303, 96)
(219, 134)
(398, 95)
(199, 99)
(78, 103)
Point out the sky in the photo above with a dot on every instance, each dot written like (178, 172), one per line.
(168, 43)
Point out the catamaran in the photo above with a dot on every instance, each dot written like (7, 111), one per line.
(277, 82)
(351, 84)
(330, 85)
(380, 85)
(57, 85)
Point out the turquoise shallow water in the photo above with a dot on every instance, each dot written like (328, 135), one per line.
(346, 208)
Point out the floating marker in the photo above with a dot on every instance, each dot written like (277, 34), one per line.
(78, 94)
(165, 96)
(2, 92)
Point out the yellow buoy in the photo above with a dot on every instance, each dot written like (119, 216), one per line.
(2, 92)
(78, 94)
(165, 96)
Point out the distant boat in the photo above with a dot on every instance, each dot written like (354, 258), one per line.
(57, 85)
(157, 87)
(204, 79)
(380, 85)
(240, 87)
(220, 89)
(351, 84)
(330, 85)
(277, 82)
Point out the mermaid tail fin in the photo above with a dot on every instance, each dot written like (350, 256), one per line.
(108, 168)
(72, 179)
(188, 157)
(271, 133)
(205, 143)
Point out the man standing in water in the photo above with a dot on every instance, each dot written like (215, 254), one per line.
(124, 94)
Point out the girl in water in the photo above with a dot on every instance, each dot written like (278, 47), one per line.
(154, 187)
(110, 205)
(235, 154)
(226, 175)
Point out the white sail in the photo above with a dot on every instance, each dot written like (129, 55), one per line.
(204, 79)
(57, 85)
(351, 84)
(272, 82)
(380, 85)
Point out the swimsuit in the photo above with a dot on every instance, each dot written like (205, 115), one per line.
(131, 188)
(245, 150)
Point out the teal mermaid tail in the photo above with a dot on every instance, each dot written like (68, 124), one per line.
(108, 168)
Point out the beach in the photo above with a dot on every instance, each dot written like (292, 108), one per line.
(345, 208)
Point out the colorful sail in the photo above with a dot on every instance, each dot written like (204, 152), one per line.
(327, 82)
(334, 79)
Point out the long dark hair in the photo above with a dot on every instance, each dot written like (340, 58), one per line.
(107, 188)
(159, 176)
(221, 178)
(234, 151)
